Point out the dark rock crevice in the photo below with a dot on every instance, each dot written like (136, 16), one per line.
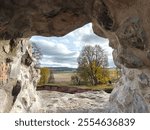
(16, 90)
(26, 59)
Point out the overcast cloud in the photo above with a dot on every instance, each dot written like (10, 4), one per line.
(63, 51)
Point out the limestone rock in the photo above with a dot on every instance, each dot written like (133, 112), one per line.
(6, 48)
(85, 102)
(26, 59)
(19, 80)
(27, 100)
(3, 99)
(130, 96)
(24, 18)
(15, 69)
(128, 59)
(143, 79)
(131, 33)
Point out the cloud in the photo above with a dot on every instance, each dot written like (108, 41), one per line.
(63, 51)
(51, 61)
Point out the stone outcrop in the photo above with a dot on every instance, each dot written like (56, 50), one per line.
(25, 18)
(85, 102)
(125, 22)
(127, 28)
(17, 78)
(132, 92)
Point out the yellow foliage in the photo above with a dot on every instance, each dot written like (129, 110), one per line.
(94, 74)
(92, 62)
(102, 74)
(44, 76)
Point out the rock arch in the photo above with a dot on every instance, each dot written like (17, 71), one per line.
(125, 23)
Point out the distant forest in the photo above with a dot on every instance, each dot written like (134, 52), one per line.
(62, 69)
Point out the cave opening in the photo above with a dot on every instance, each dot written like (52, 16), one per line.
(126, 26)
(60, 54)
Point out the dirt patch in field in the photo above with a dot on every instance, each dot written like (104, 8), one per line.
(66, 89)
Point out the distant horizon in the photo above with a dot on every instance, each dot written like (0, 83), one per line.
(68, 67)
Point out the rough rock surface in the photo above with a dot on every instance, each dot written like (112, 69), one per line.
(85, 102)
(3, 99)
(25, 18)
(17, 79)
(132, 92)
(125, 22)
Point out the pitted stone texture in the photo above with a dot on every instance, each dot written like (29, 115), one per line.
(3, 100)
(27, 100)
(18, 92)
(128, 30)
(129, 95)
(131, 34)
(120, 21)
(86, 102)
(24, 18)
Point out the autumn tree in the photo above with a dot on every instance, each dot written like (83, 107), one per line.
(92, 63)
(44, 76)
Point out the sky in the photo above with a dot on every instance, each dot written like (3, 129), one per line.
(64, 51)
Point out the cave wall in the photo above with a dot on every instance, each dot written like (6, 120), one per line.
(124, 22)
(18, 77)
(25, 18)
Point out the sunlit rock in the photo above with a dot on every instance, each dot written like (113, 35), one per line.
(18, 78)
(91, 101)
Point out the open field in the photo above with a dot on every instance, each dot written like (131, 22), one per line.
(106, 87)
(63, 81)
(63, 77)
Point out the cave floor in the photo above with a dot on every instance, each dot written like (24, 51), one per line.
(86, 102)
